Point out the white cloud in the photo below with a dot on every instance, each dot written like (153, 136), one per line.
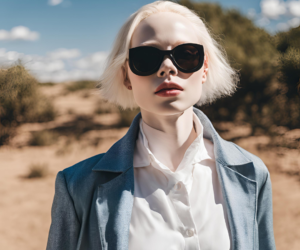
(4, 35)
(46, 65)
(263, 21)
(58, 65)
(92, 61)
(282, 27)
(273, 8)
(294, 8)
(251, 13)
(64, 53)
(9, 57)
(54, 2)
(19, 33)
(293, 23)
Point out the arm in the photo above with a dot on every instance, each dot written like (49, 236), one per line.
(64, 229)
(265, 216)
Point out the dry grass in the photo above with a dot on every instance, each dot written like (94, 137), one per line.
(79, 85)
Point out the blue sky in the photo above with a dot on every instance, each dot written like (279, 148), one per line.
(69, 39)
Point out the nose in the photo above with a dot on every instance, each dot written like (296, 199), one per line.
(167, 68)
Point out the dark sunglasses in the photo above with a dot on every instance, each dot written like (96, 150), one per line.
(146, 60)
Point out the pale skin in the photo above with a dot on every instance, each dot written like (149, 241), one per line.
(171, 115)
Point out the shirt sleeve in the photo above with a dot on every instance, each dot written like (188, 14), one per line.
(265, 217)
(65, 226)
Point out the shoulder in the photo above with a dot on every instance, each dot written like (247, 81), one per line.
(82, 167)
(79, 174)
(261, 171)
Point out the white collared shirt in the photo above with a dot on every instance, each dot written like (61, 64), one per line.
(177, 210)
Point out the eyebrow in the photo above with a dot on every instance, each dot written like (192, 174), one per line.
(157, 43)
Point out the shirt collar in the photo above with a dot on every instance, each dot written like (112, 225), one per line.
(196, 152)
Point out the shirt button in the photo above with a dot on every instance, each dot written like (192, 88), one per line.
(177, 186)
(190, 232)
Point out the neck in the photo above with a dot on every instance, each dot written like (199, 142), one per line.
(169, 136)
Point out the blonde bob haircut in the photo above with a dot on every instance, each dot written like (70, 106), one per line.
(221, 79)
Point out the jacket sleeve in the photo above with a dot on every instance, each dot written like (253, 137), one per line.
(65, 226)
(265, 217)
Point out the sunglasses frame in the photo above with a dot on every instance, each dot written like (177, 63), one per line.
(170, 54)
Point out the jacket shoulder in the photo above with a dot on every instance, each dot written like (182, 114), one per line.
(82, 167)
(81, 172)
(261, 170)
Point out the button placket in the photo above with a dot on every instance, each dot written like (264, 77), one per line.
(190, 232)
(179, 193)
(178, 186)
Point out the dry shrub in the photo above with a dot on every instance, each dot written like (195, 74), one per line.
(21, 101)
(6, 133)
(37, 171)
(43, 138)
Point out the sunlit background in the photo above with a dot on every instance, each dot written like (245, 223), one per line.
(51, 115)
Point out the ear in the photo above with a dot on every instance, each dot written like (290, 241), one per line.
(126, 81)
(205, 68)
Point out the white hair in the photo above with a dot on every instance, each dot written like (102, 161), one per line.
(221, 79)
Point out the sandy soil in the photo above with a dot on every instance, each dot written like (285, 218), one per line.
(26, 203)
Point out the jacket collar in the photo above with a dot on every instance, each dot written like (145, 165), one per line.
(119, 157)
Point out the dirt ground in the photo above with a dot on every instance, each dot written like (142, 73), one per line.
(25, 203)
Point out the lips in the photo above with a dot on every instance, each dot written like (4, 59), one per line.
(168, 85)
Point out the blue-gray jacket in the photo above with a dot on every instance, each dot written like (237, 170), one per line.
(93, 199)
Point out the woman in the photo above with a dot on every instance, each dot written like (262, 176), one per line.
(171, 182)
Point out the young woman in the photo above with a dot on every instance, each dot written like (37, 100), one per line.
(171, 182)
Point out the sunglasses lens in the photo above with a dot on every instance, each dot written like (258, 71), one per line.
(144, 59)
(187, 56)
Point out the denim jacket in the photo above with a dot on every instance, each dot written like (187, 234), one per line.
(93, 199)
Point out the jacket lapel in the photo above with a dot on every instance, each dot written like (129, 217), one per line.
(236, 174)
(239, 193)
(115, 197)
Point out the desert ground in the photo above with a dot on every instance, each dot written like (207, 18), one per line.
(25, 203)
